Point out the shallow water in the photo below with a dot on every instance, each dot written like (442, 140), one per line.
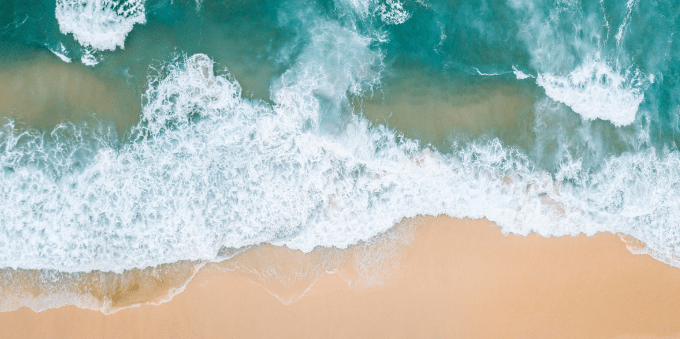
(144, 133)
(42, 92)
(440, 113)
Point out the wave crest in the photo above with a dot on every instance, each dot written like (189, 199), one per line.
(99, 24)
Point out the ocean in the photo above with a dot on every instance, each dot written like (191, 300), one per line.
(142, 139)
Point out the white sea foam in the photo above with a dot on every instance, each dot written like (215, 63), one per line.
(596, 91)
(575, 66)
(100, 24)
(624, 25)
(61, 54)
(88, 59)
(486, 74)
(519, 74)
(392, 12)
(209, 170)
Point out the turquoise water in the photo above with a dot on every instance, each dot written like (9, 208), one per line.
(141, 133)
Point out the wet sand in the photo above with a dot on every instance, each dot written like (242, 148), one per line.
(455, 279)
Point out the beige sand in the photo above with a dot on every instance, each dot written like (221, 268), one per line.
(458, 279)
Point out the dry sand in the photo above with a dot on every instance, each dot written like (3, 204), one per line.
(457, 279)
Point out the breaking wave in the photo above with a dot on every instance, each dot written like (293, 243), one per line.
(99, 24)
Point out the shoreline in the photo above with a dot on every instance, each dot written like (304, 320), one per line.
(438, 277)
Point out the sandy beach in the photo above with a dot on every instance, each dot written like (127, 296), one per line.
(452, 279)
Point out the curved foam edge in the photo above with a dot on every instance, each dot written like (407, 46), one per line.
(519, 74)
(284, 273)
(41, 290)
(596, 91)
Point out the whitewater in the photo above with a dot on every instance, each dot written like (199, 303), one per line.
(208, 170)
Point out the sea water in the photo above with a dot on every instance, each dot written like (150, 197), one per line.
(141, 134)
